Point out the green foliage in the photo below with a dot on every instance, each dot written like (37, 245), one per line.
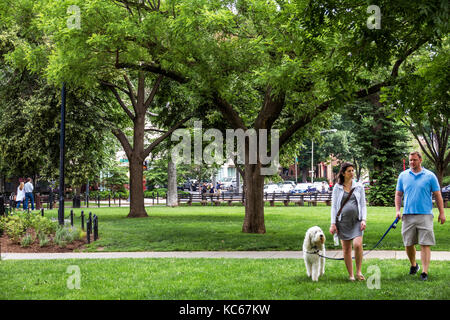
(446, 181)
(116, 178)
(43, 225)
(420, 100)
(382, 192)
(26, 241)
(65, 235)
(43, 239)
(160, 192)
(14, 227)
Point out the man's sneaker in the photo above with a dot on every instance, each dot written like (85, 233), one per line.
(414, 270)
(423, 276)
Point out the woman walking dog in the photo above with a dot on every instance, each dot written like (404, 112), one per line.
(348, 217)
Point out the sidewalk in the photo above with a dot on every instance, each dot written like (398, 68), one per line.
(381, 254)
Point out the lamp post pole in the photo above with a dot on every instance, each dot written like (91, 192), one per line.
(62, 156)
(312, 160)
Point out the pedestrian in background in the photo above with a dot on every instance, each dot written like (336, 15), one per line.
(29, 194)
(20, 195)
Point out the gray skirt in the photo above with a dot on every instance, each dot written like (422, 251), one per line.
(350, 226)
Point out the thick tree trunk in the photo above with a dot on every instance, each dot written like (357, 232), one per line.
(172, 196)
(440, 170)
(254, 200)
(137, 208)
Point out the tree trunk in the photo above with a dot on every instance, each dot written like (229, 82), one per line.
(440, 170)
(254, 200)
(304, 174)
(172, 196)
(137, 208)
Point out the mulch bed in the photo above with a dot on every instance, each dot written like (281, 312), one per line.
(8, 246)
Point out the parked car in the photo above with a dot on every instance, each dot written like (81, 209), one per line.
(446, 189)
(286, 187)
(228, 183)
(271, 188)
(300, 188)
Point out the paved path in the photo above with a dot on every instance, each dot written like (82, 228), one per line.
(380, 254)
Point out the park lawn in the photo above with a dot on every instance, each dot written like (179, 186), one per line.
(210, 228)
(215, 279)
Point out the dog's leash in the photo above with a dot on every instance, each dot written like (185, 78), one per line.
(392, 226)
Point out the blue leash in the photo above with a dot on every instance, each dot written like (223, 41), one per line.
(393, 226)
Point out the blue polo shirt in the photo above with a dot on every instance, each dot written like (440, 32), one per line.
(417, 189)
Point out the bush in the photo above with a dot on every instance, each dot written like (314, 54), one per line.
(63, 236)
(43, 239)
(26, 241)
(445, 181)
(43, 224)
(15, 228)
(382, 193)
(2, 225)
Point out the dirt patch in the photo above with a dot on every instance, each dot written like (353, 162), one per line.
(8, 246)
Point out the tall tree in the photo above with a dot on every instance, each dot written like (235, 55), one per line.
(420, 101)
(280, 65)
(117, 48)
(29, 110)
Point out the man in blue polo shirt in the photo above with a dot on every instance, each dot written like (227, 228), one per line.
(416, 185)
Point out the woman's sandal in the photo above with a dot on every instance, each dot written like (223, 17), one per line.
(360, 277)
(351, 278)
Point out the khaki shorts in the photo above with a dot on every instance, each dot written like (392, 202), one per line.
(418, 229)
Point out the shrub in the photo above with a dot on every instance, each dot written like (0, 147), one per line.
(2, 225)
(382, 193)
(43, 224)
(445, 181)
(43, 239)
(64, 236)
(26, 241)
(15, 228)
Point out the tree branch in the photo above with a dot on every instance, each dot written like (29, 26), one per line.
(131, 91)
(155, 68)
(153, 92)
(270, 111)
(155, 130)
(164, 136)
(119, 99)
(228, 112)
(123, 141)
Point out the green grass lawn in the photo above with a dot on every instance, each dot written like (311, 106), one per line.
(213, 279)
(209, 228)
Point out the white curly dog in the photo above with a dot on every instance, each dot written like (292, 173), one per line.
(313, 245)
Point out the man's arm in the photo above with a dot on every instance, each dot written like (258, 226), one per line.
(398, 204)
(440, 205)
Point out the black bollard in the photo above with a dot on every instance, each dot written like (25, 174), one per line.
(90, 221)
(88, 229)
(95, 227)
(42, 212)
(82, 220)
(71, 218)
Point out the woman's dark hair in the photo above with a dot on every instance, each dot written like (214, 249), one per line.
(344, 167)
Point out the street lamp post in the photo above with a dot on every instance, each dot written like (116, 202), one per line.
(62, 156)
